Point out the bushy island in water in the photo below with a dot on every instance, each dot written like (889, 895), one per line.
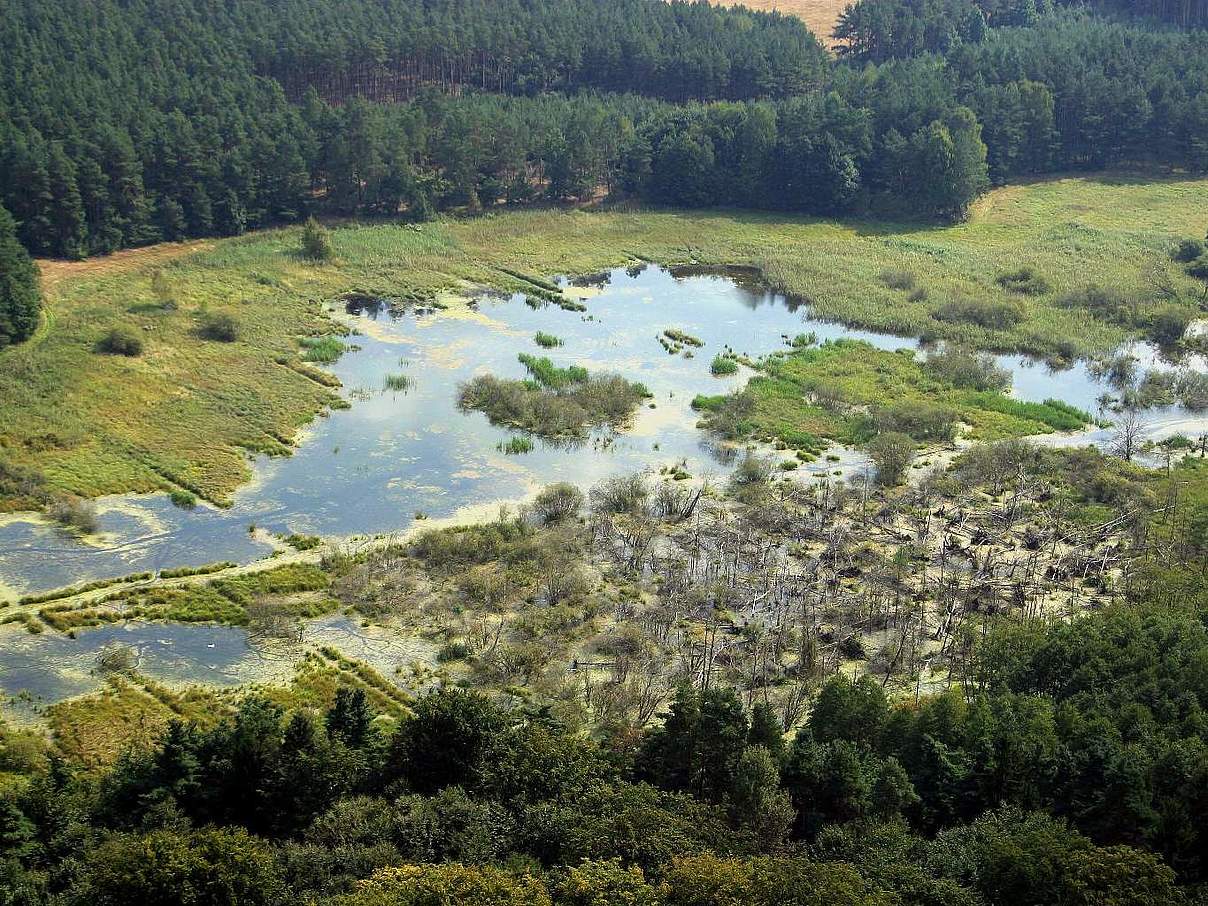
(850, 391)
(553, 402)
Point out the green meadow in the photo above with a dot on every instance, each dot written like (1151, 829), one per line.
(233, 330)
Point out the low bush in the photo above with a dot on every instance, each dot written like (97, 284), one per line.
(722, 366)
(1025, 280)
(982, 312)
(1188, 250)
(918, 419)
(964, 368)
(898, 279)
(556, 402)
(558, 502)
(1168, 324)
(891, 453)
(121, 341)
(1103, 302)
(316, 243)
(72, 512)
(222, 328)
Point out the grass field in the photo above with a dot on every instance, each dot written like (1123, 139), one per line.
(819, 15)
(189, 411)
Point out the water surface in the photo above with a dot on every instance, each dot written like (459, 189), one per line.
(374, 467)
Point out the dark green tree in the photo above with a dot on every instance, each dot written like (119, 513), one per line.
(20, 295)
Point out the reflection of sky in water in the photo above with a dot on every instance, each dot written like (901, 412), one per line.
(49, 667)
(52, 666)
(371, 468)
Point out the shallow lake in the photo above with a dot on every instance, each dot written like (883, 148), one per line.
(37, 670)
(371, 468)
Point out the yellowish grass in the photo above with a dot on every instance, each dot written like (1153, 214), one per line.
(819, 15)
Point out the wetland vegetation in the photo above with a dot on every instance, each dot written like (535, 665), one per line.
(592, 452)
(256, 394)
(850, 391)
(554, 402)
(1040, 580)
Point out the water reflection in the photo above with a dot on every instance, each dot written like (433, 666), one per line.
(393, 455)
(37, 670)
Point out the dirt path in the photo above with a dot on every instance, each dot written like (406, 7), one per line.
(55, 271)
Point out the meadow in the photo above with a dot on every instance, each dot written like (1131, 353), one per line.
(196, 405)
(819, 15)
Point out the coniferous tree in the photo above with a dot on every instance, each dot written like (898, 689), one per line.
(20, 295)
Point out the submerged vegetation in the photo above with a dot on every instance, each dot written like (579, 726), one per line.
(555, 402)
(396, 383)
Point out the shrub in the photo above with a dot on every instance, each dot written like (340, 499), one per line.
(1199, 268)
(722, 366)
(453, 651)
(205, 867)
(891, 453)
(964, 368)
(316, 244)
(751, 471)
(161, 288)
(221, 328)
(558, 502)
(1168, 325)
(898, 279)
(918, 418)
(1188, 250)
(619, 495)
(547, 340)
(982, 312)
(1104, 302)
(1193, 390)
(121, 341)
(1025, 280)
(75, 513)
(557, 402)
